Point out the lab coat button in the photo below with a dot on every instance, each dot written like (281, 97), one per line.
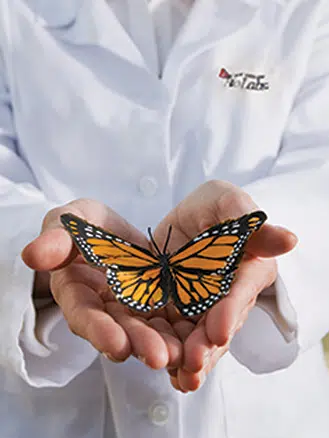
(158, 413)
(148, 186)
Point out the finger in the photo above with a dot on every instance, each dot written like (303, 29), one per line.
(183, 329)
(70, 278)
(84, 312)
(175, 384)
(214, 202)
(188, 381)
(174, 345)
(53, 249)
(243, 318)
(271, 241)
(252, 277)
(197, 350)
(197, 211)
(191, 381)
(146, 343)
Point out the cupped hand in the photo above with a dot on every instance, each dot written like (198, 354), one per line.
(82, 293)
(207, 338)
(188, 348)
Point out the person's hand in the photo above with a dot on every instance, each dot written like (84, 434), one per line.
(85, 298)
(158, 339)
(207, 338)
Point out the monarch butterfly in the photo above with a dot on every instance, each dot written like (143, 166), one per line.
(195, 277)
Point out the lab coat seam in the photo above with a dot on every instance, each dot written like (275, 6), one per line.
(8, 37)
(5, 55)
(111, 403)
(225, 418)
(46, 22)
(104, 408)
(8, 68)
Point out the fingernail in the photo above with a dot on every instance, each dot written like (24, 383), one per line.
(280, 228)
(111, 358)
(206, 359)
(143, 360)
(234, 327)
(286, 230)
(231, 333)
(239, 326)
(234, 331)
(202, 379)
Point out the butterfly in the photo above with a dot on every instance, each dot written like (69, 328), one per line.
(194, 277)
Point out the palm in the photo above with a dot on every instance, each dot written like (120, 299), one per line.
(110, 326)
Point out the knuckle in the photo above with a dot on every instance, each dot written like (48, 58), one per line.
(218, 185)
(51, 216)
(219, 353)
(206, 221)
(241, 323)
(270, 270)
(112, 358)
(212, 184)
(233, 201)
(58, 283)
(83, 206)
(251, 303)
(73, 327)
(79, 203)
(77, 206)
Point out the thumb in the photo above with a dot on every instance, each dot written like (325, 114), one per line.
(53, 249)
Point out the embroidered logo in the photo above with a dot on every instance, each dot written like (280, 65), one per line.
(245, 81)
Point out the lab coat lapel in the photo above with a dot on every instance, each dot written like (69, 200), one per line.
(84, 22)
(208, 24)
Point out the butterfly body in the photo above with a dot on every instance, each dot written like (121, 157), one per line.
(194, 277)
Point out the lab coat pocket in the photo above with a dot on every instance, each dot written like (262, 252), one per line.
(55, 14)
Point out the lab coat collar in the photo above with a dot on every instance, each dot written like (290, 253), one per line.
(85, 22)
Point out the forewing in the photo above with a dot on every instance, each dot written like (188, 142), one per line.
(219, 249)
(204, 268)
(133, 273)
(104, 249)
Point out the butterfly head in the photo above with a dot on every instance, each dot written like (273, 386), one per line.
(164, 251)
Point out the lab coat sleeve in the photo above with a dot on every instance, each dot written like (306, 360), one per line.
(293, 314)
(39, 349)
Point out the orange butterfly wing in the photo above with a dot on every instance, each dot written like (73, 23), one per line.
(133, 273)
(196, 276)
(204, 268)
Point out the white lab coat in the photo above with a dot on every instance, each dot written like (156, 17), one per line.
(86, 112)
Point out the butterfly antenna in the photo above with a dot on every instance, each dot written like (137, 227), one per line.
(153, 241)
(167, 241)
